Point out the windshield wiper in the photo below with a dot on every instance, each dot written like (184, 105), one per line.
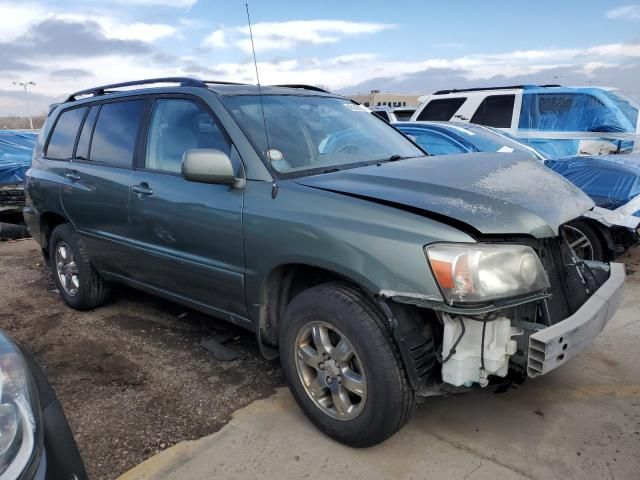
(392, 158)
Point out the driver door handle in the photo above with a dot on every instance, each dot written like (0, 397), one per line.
(142, 190)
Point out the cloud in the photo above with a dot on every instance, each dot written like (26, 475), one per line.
(17, 20)
(67, 38)
(162, 3)
(291, 34)
(145, 32)
(12, 102)
(216, 39)
(625, 12)
(71, 73)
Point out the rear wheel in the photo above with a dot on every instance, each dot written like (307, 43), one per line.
(79, 284)
(584, 241)
(343, 367)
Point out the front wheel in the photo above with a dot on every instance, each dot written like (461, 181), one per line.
(343, 367)
(584, 241)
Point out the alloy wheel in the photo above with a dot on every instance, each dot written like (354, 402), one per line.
(67, 269)
(579, 242)
(331, 371)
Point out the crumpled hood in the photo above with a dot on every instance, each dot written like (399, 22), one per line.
(493, 193)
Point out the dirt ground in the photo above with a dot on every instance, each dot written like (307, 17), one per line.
(131, 376)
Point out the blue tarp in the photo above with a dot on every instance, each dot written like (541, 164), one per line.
(610, 180)
(15, 155)
(566, 121)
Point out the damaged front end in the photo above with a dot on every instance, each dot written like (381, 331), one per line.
(12, 201)
(514, 335)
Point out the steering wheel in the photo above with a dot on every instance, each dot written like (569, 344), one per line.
(349, 148)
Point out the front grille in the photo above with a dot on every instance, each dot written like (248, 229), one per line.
(567, 277)
(11, 195)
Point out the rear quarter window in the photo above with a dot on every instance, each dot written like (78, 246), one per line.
(441, 109)
(116, 131)
(64, 134)
(495, 111)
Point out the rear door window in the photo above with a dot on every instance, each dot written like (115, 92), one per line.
(495, 111)
(82, 150)
(441, 109)
(64, 134)
(116, 130)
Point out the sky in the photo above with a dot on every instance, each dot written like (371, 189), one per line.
(346, 46)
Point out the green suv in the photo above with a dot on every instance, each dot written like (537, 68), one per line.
(381, 275)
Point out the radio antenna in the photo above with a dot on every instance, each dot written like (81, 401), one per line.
(255, 63)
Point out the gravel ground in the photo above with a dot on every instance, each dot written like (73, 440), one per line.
(131, 375)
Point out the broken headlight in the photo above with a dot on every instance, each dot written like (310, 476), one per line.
(17, 419)
(474, 273)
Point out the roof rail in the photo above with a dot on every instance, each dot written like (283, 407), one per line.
(302, 86)
(510, 87)
(95, 91)
(222, 82)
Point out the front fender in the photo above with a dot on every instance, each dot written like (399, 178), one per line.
(375, 246)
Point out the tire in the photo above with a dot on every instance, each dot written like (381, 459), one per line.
(88, 290)
(9, 231)
(346, 313)
(590, 246)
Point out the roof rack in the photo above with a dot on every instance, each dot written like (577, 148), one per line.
(511, 87)
(222, 82)
(302, 86)
(183, 81)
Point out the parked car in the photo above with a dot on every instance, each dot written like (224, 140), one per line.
(559, 121)
(392, 115)
(380, 274)
(16, 149)
(35, 439)
(612, 182)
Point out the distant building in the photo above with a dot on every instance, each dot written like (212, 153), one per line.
(384, 99)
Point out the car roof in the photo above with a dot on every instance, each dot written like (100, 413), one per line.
(551, 88)
(179, 84)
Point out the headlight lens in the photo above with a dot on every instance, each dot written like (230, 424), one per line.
(472, 273)
(17, 420)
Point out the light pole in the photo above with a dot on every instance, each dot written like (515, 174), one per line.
(26, 93)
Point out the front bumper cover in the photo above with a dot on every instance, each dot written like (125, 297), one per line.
(554, 345)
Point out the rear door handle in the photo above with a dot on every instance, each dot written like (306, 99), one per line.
(72, 175)
(142, 189)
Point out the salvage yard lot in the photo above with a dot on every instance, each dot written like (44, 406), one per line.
(133, 381)
(131, 376)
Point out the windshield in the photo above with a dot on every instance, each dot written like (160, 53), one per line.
(313, 132)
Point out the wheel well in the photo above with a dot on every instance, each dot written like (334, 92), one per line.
(605, 236)
(283, 284)
(49, 221)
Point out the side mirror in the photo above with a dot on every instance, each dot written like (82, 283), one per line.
(207, 165)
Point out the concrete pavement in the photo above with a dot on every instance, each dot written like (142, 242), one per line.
(580, 421)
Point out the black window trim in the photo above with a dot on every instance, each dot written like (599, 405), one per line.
(447, 99)
(139, 164)
(50, 134)
(504, 95)
(136, 147)
(84, 120)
